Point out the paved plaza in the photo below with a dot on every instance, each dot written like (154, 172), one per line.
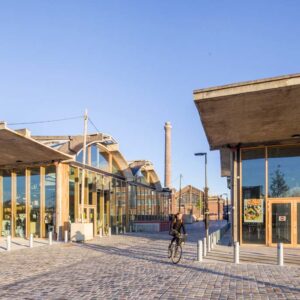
(135, 266)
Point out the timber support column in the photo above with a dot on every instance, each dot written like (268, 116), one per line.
(168, 162)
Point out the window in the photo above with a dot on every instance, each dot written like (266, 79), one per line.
(253, 196)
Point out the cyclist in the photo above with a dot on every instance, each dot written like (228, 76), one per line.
(176, 227)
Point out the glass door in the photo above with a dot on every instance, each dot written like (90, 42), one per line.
(281, 223)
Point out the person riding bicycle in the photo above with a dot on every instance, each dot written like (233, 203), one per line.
(176, 227)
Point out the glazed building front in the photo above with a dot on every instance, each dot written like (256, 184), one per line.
(255, 125)
(40, 188)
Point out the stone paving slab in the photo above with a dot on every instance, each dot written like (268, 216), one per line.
(136, 267)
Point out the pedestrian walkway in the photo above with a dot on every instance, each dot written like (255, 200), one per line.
(136, 266)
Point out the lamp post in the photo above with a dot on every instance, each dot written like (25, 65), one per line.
(206, 210)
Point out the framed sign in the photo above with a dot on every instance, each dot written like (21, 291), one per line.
(282, 218)
(254, 210)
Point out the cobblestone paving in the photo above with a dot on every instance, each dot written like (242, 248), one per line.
(136, 267)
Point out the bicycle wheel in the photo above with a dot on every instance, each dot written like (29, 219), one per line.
(176, 254)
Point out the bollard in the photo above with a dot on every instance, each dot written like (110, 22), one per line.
(8, 243)
(280, 254)
(109, 231)
(100, 232)
(117, 230)
(124, 230)
(204, 247)
(50, 237)
(199, 252)
(236, 253)
(212, 241)
(209, 244)
(31, 241)
(130, 228)
(66, 236)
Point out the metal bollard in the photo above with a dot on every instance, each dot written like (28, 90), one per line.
(50, 237)
(130, 228)
(31, 241)
(109, 231)
(280, 254)
(236, 253)
(212, 242)
(117, 230)
(8, 243)
(66, 236)
(209, 244)
(204, 247)
(100, 233)
(199, 252)
(124, 230)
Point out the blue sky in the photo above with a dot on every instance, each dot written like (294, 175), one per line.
(135, 64)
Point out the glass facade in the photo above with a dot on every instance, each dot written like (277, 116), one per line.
(284, 175)
(253, 196)
(19, 216)
(278, 166)
(35, 202)
(50, 199)
(28, 201)
(6, 203)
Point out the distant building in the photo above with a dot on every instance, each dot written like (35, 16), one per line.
(192, 203)
(41, 182)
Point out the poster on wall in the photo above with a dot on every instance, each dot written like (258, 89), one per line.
(254, 210)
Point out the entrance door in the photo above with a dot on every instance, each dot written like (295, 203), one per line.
(281, 223)
(284, 218)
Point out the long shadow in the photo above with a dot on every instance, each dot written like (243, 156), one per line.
(133, 255)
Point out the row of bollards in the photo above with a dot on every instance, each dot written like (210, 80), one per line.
(50, 240)
(204, 247)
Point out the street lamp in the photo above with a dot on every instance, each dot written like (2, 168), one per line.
(206, 210)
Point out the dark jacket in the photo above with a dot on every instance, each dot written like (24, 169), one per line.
(177, 225)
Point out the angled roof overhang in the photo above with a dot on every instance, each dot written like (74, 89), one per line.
(17, 149)
(253, 112)
(250, 113)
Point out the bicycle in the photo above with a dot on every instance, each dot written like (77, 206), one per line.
(175, 249)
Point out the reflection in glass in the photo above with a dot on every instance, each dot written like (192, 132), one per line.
(6, 190)
(35, 202)
(50, 199)
(281, 223)
(284, 175)
(20, 213)
(253, 193)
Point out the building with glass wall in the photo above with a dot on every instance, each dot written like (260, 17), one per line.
(41, 182)
(255, 125)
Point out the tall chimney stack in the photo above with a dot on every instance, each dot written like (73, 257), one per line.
(168, 162)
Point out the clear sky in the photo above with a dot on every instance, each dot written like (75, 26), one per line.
(135, 64)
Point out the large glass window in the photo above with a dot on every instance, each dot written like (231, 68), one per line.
(20, 214)
(50, 198)
(253, 196)
(284, 172)
(99, 158)
(35, 202)
(6, 193)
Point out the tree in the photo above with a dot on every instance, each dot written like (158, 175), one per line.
(278, 185)
(199, 204)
